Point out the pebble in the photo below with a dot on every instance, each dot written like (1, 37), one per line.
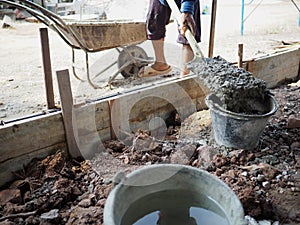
(245, 174)
(260, 177)
(295, 189)
(278, 177)
(85, 203)
(266, 184)
(264, 222)
(51, 215)
(250, 220)
(293, 122)
(260, 192)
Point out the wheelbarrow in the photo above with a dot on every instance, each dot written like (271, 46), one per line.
(95, 36)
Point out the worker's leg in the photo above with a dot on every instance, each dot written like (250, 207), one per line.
(187, 53)
(187, 56)
(160, 60)
(157, 18)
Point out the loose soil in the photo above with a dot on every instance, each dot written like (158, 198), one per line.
(270, 27)
(58, 190)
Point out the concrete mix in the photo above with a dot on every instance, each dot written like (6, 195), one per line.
(238, 90)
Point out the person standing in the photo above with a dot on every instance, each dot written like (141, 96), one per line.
(158, 17)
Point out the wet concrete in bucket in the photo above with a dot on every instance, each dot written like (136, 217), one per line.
(237, 89)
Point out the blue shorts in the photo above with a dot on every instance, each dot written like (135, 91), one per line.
(159, 16)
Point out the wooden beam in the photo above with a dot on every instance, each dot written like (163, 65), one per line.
(240, 55)
(30, 135)
(66, 99)
(212, 29)
(47, 68)
(276, 68)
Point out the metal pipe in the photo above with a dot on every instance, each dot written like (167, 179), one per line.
(242, 17)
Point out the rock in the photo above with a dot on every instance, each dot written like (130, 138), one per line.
(51, 215)
(250, 220)
(231, 174)
(264, 222)
(76, 191)
(183, 155)
(32, 220)
(293, 122)
(54, 163)
(115, 145)
(85, 203)
(237, 153)
(295, 145)
(219, 160)
(266, 184)
(245, 174)
(206, 155)
(260, 177)
(267, 170)
(10, 195)
(81, 215)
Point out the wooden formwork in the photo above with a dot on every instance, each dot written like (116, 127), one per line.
(108, 118)
(276, 68)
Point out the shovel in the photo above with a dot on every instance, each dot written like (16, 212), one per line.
(198, 55)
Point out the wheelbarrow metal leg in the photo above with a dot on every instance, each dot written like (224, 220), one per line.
(102, 71)
(73, 66)
(88, 73)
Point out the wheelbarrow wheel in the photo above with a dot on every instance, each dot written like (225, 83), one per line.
(135, 54)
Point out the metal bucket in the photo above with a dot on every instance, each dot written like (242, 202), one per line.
(204, 189)
(238, 130)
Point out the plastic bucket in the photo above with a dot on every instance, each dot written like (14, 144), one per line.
(167, 178)
(236, 130)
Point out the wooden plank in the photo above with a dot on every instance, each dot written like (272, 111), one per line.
(134, 111)
(26, 136)
(66, 97)
(92, 117)
(47, 68)
(240, 54)
(93, 128)
(276, 68)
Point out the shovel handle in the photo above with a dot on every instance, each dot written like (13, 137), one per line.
(193, 43)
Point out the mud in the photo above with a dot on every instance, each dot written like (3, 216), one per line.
(237, 89)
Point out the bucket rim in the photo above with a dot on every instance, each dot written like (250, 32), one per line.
(108, 214)
(241, 116)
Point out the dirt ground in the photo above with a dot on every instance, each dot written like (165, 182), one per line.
(21, 73)
(57, 190)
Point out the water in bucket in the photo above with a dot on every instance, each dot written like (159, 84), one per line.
(175, 207)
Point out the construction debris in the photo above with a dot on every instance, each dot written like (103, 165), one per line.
(266, 179)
